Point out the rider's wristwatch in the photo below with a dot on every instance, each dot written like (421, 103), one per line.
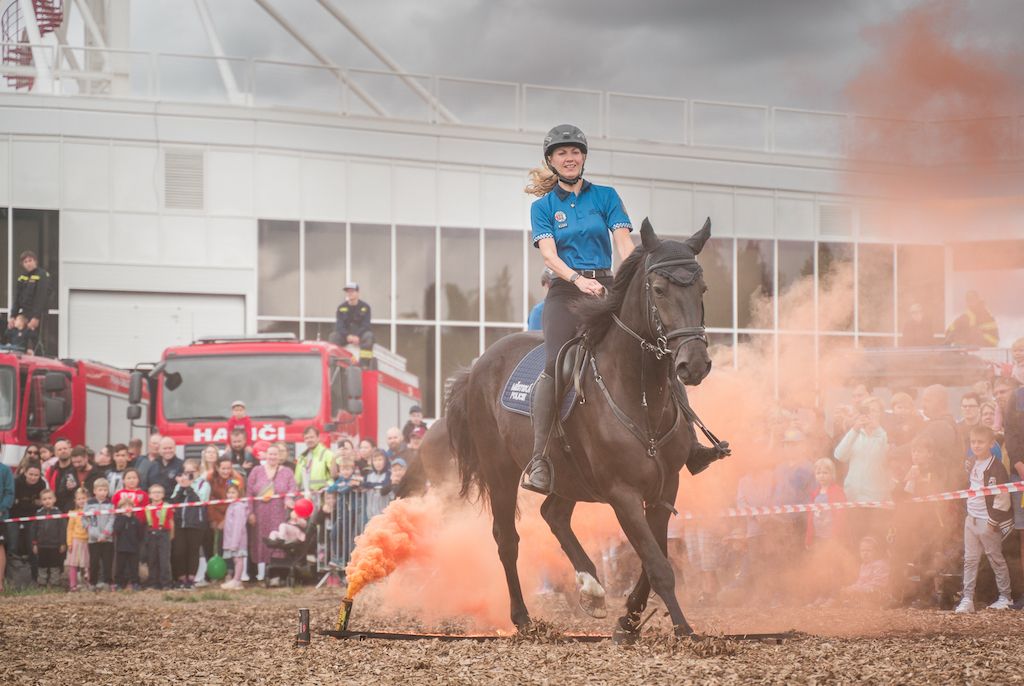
(572, 279)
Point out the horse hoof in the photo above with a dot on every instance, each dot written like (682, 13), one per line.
(591, 595)
(593, 605)
(685, 631)
(621, 637)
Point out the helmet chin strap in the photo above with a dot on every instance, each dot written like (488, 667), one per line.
(563, 179)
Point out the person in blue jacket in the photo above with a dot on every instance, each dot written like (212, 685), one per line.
(535, 321)
(574, 224)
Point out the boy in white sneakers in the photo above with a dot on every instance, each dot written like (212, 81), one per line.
(989, 520)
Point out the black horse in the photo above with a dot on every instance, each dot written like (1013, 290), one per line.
(628, 439)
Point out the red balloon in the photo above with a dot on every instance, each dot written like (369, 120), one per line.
(303, 507)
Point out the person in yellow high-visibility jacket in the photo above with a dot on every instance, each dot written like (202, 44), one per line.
(974, 328)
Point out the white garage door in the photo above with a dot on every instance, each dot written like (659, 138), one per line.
(125, 328)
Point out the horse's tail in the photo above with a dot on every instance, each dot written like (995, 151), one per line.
(460, 435)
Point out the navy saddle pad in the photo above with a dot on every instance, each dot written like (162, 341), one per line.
(518, 391)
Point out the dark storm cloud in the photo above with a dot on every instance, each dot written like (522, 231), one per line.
(778, 52)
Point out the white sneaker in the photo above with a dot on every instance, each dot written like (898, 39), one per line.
(966, 606)
(1003, 603)
(201, 583)
(231, 585)
(245, 576)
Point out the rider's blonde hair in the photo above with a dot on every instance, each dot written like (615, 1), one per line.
(542, 180)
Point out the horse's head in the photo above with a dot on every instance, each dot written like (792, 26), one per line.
(675, 300)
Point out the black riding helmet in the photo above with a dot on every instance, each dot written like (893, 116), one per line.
(564, 134)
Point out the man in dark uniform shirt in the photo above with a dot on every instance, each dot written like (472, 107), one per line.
(353, 325)
(31, 291)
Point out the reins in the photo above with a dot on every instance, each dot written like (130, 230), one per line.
(658, 347)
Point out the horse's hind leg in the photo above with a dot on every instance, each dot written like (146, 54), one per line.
(557, 512)
(635, 524)
(503, 509)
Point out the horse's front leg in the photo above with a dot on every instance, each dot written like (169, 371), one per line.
(648, 534)
(628, 628)
(557, 512)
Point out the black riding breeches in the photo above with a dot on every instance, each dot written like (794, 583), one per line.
(559, 321)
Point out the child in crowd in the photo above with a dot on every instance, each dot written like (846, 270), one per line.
(235, 543)
(398, 488)
(348, 478)
(116, 474)
(240, 420)
(77, 560)
(128, 532)
(375, 482)
(99, 520)
(49, 542)
(415, 422)
(872, 584)
(825, 531)
(159, 528)
(291, 531)
(1017, 370)
(133, 493)
(925, 532)
(189, 525)
(989, 520)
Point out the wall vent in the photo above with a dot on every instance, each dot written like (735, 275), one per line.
(183, 179)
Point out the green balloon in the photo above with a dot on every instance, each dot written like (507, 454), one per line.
(216, 568)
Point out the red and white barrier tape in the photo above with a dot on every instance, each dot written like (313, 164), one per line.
(1007, 488)
(145, 508)
(1013, 487)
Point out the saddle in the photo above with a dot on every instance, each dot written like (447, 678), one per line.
(517, 393)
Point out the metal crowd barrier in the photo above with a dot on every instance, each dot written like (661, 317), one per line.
(337, 537)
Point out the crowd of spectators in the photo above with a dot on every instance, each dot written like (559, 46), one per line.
(103, 544)
(879, 447)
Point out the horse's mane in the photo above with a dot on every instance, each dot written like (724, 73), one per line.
(596, 313)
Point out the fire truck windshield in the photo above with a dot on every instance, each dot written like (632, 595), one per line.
(6, 397)
(272, 386)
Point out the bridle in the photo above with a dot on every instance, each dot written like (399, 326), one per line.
(657, 344)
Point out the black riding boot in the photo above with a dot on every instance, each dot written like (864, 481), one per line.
(538, 472)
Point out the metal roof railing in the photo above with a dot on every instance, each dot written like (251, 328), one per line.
(504, 105)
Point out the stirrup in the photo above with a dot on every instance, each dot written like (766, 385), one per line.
(526, 484)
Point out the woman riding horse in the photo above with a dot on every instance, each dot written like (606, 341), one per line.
(571, 221)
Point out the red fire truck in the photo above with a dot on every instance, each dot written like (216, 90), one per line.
(285, 383)
(43, 399)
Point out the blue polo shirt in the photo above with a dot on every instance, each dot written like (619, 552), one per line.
(580, 224)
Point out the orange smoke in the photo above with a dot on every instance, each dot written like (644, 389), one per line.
(389, 540)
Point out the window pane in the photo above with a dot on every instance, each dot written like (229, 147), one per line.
(534, 269)
(875, 342)
(493, 334)
(921, 278)
(325, 268)
(835, 286)
(796, 364)
(49, 337)
(503, 275)
(416, 345)
(755, 281)
(721, 349)
(874, 288)
(796, 284)
(371, 266)
(756, 352)
(37, 230)
(460, 274)
(460, 345)
(716, 259)
(415, 276)
(278, 268)
(270, 326)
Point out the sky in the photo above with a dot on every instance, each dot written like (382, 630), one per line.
(791, 53)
